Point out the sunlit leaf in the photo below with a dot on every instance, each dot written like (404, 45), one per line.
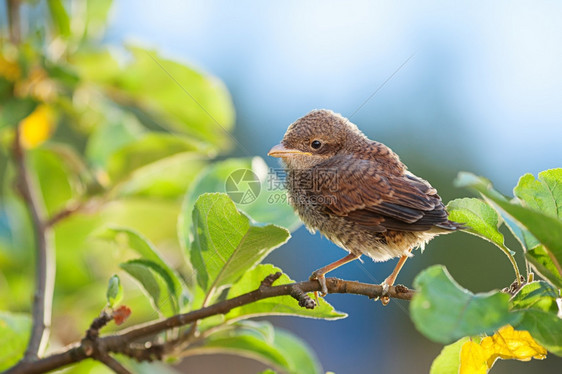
(226, 244)
(536, 295)
(164, 92)
(187, 100)
(542, 263)
(96, 66)
(59, 17)
(263, 342)
(96, 17)
(14, 334)
(547, 229)
(166, 178)
(481, 220)
(543, 194)
(149, 148)
(282, 305)
(506, 343)
(444, 312)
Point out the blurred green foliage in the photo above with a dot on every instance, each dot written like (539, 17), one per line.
(121, 137)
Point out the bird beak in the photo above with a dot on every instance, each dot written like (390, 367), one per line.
(280, 151)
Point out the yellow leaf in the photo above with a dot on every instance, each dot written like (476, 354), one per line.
(37, 127)
(473, 359)
(506, 344)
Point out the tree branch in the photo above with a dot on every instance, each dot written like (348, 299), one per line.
(44, 261)
(125, 341)
(14, 20)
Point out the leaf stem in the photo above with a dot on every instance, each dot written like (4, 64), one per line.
(513, 263)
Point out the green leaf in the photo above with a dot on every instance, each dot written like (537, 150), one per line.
(449, 359)
(482, 220)
(186, 100)
(542, 263)
(226, 244)
(58, 182)
(547, 229)
(62, 73)
(444, 312)
(96, 66)
(543, 194)
(114, 292)
(263, 342)
(536, 295)
(59, 17)
(282, 305)
(150, 147)
(156, 282)
(150, 260)
(545, 327)
(14, 334)
(13, 111)
(115, 132)
(96, 17)
(163, 92)
(267, 207)
(168, 178)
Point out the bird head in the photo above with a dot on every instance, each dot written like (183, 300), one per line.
(317, 136)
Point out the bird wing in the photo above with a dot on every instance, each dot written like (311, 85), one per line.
(372, 195)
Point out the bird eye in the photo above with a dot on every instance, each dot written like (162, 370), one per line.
(315, 144)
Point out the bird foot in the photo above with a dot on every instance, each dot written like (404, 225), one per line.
(322, 280)
(384, 295)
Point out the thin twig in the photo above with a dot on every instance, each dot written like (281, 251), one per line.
(64, 213)
(44, 261)
(121, 342)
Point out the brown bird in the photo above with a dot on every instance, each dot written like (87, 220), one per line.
(357, 193)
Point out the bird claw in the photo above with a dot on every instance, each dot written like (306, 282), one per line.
(322, 280)
(385, 299)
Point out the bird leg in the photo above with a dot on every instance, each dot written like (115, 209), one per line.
(389, 281)
(319, 274)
